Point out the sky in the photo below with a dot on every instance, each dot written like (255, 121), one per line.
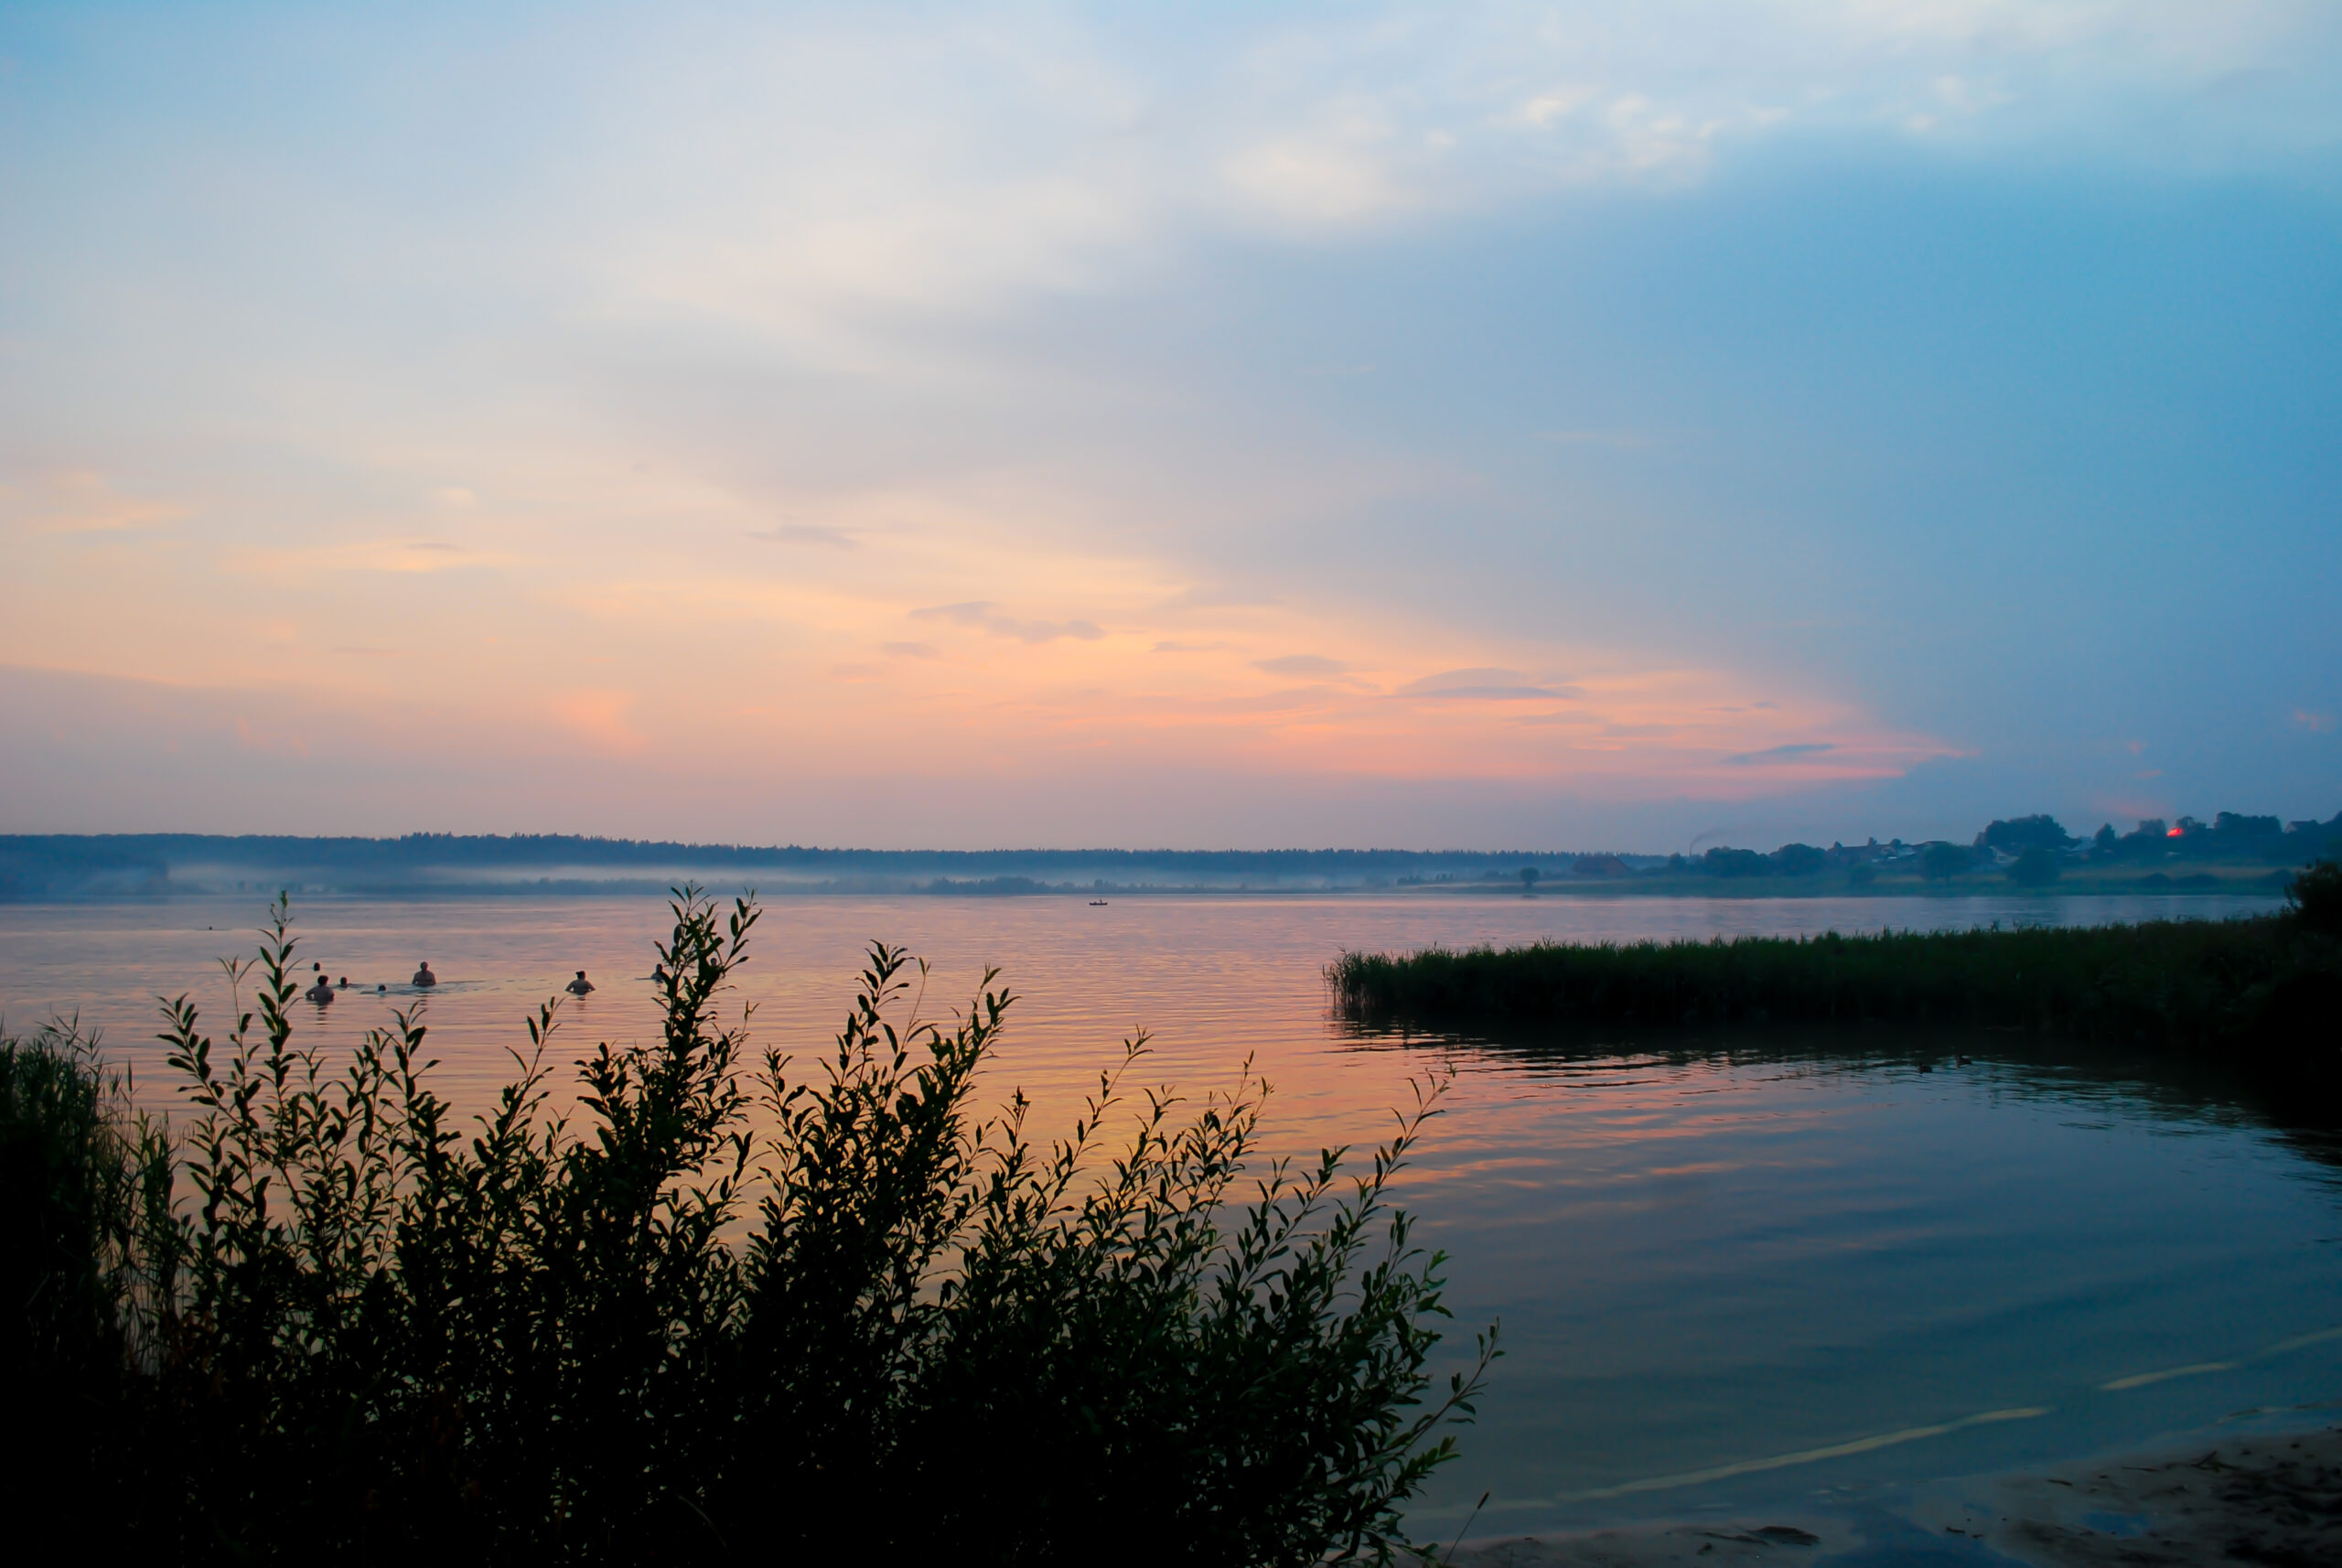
(1445, 425)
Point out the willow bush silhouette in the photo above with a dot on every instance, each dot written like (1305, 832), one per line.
(365, 1333)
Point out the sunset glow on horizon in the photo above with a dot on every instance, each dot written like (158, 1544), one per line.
(1034, 425)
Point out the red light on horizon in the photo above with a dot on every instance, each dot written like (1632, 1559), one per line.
(2174, 832)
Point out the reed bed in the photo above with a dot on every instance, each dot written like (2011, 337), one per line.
(2262, 993)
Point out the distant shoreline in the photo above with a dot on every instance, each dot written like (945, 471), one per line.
(2258, 887)
(76, 868)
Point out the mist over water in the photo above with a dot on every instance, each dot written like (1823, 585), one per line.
(1734, 1271)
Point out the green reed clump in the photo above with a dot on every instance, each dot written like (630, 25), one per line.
(2264, 992)
(720, 1306)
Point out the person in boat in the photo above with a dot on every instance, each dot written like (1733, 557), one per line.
(423, 975)
(581, 985)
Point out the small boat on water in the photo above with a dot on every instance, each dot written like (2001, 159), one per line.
(1097, 903)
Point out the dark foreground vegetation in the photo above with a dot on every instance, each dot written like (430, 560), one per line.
(723, 1307)
(2261, 995)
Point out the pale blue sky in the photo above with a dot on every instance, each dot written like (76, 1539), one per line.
(1471, 425)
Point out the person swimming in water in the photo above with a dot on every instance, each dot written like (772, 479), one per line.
(581, 985)
(423, 975)
(321, 992)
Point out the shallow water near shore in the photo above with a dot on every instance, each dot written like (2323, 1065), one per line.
(1737, 1271)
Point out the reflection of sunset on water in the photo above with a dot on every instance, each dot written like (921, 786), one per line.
(1730, 1266)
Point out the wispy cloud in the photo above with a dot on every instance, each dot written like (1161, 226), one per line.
(1796, 751)
(1304, 665)
(84, 501)
(808, 534)
(1485, 685)
(985, 615)
(397, 556)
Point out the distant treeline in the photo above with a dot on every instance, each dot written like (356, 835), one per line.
(2035, 849)
(85, 865)
(2038, 849)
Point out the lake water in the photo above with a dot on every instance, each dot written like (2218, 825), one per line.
(1736, 1272)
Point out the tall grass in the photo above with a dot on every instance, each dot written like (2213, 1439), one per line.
(727, 1305)
(2264, 995)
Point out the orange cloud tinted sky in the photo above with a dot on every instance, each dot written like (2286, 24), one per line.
(1439, 427)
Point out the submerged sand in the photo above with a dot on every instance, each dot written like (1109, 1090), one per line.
(2273, 1502)
(1817, 1541)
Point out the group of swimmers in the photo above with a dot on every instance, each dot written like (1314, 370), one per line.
(325, 988)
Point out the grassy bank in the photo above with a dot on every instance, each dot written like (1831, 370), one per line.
(2263, 995)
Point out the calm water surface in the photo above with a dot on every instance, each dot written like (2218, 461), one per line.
(1735, 1271)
